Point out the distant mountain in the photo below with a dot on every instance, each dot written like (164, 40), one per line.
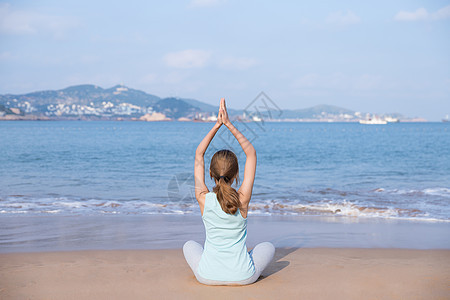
(201, 105)
(93, 102)
(204, 107)
(176, 108)
(85, 94)
(82, 100)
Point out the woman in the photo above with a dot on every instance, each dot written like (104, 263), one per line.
(225, 260)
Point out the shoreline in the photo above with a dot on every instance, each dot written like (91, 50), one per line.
(40, 118)
(144, 232)
(308, 273)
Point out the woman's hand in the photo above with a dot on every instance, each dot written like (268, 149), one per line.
(223, 113)
(219, 117)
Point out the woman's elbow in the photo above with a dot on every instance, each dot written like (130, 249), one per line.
(199, 153)
(251, 152)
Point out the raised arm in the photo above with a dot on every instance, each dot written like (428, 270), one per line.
(245, 191)
(199, 167)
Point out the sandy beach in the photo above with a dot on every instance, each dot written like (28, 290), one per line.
(140, 257)
(313, 273)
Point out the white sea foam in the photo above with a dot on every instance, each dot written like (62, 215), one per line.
(344, 208)
(55, 211)
(72, 204)
(439, 191)
(334, 206)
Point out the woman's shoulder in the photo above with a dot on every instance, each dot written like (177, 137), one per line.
(210, 195)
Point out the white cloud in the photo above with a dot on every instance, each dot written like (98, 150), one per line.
(443, 13)
(187, 59)
(343, 18)
(237, 63)
(421, 14)
(205, 3)
(17, 22)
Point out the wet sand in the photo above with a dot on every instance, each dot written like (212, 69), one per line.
(295, 273)
(144, 232)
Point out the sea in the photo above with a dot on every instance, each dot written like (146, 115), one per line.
(344, 170)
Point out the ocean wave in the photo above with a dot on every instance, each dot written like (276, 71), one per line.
(64, 205)
(325, 207)
(438, 191)
(343, 208)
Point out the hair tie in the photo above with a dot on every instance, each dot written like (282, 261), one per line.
(224, 178)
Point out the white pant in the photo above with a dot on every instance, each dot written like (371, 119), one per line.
(261, 255)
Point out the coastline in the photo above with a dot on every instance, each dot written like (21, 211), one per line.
(141, 257)
(310, 273)
(147, 232)
(181, 120)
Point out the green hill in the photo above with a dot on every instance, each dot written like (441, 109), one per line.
(86, 94)
(175, 108)
(92, 101)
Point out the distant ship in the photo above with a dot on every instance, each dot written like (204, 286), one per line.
(256, 119)
(391, 120)
(446, 119)
(373, 121)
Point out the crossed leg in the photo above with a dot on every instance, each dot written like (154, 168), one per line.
(261, 255)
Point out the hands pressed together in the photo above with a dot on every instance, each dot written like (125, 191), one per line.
(222, 117)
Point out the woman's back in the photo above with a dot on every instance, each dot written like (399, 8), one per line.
(224, 259)
(225, 255)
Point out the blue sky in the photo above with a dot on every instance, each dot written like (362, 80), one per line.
(370, 56)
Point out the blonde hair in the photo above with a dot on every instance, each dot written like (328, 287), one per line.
(224, 169)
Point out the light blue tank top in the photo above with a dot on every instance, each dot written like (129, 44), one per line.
(225, 256)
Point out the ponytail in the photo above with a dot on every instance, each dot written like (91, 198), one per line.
(225, 169)
(227, 196)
